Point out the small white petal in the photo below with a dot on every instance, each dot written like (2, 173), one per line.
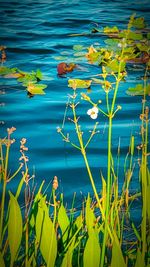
(95, 109)
(89, 111)
(94, 116)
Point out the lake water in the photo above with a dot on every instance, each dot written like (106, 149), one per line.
(36, 34)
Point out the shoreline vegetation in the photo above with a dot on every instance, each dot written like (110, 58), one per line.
(43, 233)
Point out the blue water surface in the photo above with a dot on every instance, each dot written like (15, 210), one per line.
(37, 36)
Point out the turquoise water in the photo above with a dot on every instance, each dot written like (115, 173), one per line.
(36, 33)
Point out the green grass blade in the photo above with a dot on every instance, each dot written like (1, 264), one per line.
(2, 263)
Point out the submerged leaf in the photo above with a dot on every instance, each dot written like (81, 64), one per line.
(77, 83)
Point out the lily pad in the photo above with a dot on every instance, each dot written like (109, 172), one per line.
(111, 29)
(77, 83)
(78, 47)
(6, 70)
(138, 90)
(36, 89)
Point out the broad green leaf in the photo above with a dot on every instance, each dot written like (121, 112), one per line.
(148, 36)
(91, 256)
(139, 260)
(63, 222)
(139, 23)
(89, 215)
(2, 263)
(113, 65)
(79, 221)
(77, 83)
(138, 90)
(36, 89)
(77, 47)
(67, 260)
(45, 234)
(14, 227)
(117, 257)
(111, 42)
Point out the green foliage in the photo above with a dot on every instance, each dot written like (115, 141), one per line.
(45, 234)
(91, 256)
(139, 23)
(77, 83)
(139, 90)
(14, 227)
(63, 222)
(111, 29)
(117, 257)
(2, 263)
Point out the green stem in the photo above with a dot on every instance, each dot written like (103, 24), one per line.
(108, 192)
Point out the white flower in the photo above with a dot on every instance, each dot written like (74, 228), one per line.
(93, 113)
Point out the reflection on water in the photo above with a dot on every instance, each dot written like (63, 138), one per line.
(37, 35)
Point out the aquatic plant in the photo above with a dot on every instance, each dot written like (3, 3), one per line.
(44, 232)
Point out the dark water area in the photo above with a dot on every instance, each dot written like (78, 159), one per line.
(36, 34)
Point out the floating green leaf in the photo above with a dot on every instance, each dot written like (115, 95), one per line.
(139, 90)
(6, 70)
(77, 83)
(91, 256)
(39, 74)
(46, 236)
(78, 47)
(14, 227)
(111, 29)
(63, 222)
(36, 89)
(142, 47)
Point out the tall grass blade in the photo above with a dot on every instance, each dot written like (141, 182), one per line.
(139, 260)
(67, 261)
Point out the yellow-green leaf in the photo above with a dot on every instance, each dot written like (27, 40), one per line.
(45, 234)
(91, 256)
(117, 257)
(89, 215)
(2, 263)
(77, 83)
(67, 260)
(63, 222)
(139, 260)
(14, 227)
(36, 89)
